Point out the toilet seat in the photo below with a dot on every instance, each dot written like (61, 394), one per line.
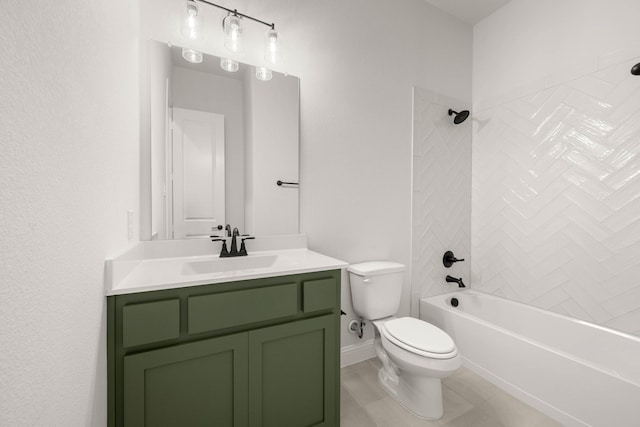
(419, 337)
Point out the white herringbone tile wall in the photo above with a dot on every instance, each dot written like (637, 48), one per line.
(441, 208)
(556, 198)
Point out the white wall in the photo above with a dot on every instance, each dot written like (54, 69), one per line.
(555, 158)
(357, 62)
(527, 41)
(68, 174)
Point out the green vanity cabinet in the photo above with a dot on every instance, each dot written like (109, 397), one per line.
(258, 353)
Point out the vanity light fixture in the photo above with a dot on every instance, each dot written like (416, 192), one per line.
(232, 26)
(192, 22)
(233, 29)
(263, 74)
(272, 49)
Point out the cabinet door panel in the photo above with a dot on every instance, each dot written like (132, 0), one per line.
(292, 381)
(190, 385)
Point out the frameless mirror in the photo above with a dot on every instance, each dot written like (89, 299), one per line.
(214, 146)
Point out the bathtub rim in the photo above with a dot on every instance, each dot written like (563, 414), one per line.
(531, 307)
(445, 305)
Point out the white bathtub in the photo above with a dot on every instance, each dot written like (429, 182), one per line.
(579, 373)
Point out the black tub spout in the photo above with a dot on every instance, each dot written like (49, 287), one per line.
(451, 279)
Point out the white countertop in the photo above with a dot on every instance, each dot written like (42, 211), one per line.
(145, 268)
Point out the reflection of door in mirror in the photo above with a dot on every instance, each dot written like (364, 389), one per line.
(197, 164)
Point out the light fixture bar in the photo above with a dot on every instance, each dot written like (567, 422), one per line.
(235, 12)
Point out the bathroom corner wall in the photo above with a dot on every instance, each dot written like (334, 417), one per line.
(441, 198)
(556, 145)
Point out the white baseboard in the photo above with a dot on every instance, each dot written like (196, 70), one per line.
(352, 354)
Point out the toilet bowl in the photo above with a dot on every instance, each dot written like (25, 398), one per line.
(415, 355)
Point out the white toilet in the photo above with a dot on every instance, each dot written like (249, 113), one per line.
(415, 354)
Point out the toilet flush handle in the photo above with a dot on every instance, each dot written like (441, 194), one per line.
(366, 279)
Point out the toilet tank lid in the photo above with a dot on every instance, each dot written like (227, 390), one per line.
(372, 268)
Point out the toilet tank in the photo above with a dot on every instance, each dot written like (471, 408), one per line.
(376, 288)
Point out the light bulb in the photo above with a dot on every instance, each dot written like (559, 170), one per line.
(263, 74)
(192, 22)
(232, 26)
(229, 65)
(272, 47)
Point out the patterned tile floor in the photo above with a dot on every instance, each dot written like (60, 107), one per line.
(469, 401)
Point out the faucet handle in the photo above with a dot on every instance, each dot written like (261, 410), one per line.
(449, 258)
(223, 251)
(243, 248)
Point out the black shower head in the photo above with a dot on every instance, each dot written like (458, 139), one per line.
(635, 70)
(460, 117)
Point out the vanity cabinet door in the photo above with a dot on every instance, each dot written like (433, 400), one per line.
(293, 374)
(202, 383)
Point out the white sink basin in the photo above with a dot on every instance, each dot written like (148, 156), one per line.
(221, 265)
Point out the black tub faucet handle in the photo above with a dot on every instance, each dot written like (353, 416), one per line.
(449, 258)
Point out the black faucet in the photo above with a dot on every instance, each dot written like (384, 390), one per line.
(234, 243)
(235, 234)
(454, 280)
